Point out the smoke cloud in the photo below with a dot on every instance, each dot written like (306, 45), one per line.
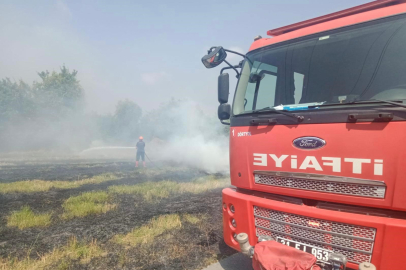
(197, 139)
(180, 132)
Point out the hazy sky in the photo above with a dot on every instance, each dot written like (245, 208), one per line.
(147, 51)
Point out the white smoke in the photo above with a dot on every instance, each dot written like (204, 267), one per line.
(208, 155)
(181, 133)
(198, 139)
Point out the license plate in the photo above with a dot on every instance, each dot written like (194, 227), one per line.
(320, 253)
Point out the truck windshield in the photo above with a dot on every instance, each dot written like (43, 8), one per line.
(363, 62)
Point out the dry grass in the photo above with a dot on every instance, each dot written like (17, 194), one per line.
(154, 171)
(210, 260)
(25, 218)
(86, 204)
(204, 184)
(168, 240)
(194, 219)
(57, 259)
(149, 191)
(156, 227)
(152, 191)
(145, 234)
(42, 185)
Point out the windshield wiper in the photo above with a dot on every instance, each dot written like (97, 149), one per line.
(373, 101)
(395, 102)
(299, 118)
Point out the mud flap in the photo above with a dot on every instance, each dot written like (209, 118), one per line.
(271, 255)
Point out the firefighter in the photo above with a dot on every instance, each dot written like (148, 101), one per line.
(140, 151)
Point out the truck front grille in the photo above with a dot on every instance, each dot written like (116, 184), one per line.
(321, 183)
(355, 242)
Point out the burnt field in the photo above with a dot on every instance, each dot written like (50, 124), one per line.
(109, 215)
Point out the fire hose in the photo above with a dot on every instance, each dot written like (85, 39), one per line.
(149, 159)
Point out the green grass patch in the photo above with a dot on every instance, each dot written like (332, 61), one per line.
(60, 258)
(25, 218)
(85, 252)
(86, 204)
(157, 226)
(154, 171)
(42, 185)
(152, 191)
(146, 233)
(149, 190)
(194, 219)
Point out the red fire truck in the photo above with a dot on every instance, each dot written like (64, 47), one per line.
(318, 137)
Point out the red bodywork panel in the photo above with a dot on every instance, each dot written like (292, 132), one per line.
(372, 141)
(388, 252)
(329, 25)
(336, 15)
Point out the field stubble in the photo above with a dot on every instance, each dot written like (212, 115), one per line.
(122, 218)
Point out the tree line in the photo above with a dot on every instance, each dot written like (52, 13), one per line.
(51, 113)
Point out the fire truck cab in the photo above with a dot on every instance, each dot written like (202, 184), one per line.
(317, 137)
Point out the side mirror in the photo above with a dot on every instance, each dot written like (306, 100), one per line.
(223, 88)
(224, 111)
(214, 58)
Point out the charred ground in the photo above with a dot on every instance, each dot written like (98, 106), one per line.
(194, 242)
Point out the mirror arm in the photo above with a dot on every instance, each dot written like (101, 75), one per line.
(224, 68)
(240, 54)
(231, 66)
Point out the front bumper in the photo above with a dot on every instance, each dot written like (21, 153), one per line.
(389, 238)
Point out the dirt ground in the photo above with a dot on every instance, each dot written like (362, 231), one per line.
(193, 246)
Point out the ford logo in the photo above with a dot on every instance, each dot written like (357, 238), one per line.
(309, 143)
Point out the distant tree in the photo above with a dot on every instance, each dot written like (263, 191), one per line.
(59, 92)
(44, 115)
(127, 112)
(126, 120)
(162, 122)
(104, 127)
(16, 101)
